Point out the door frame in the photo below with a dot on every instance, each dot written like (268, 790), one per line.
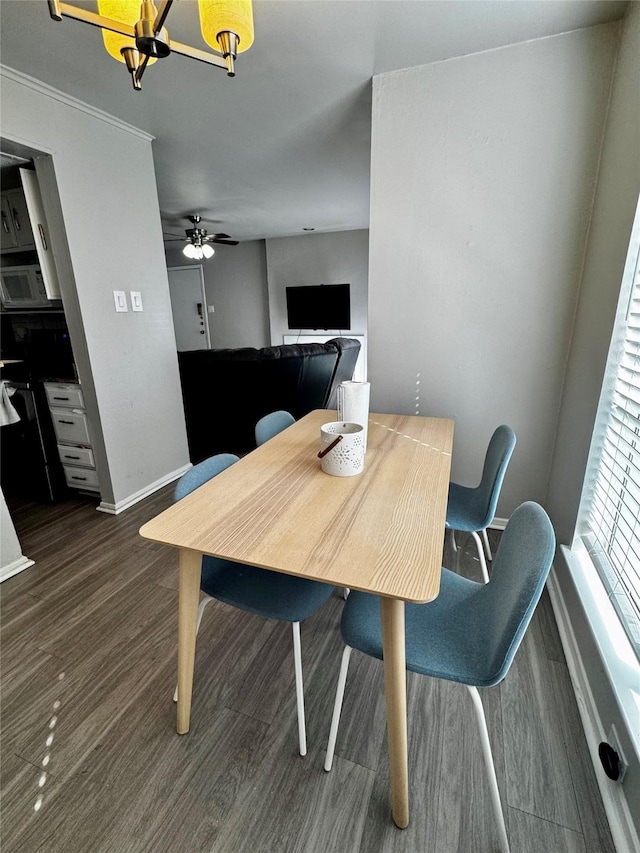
(205, 311)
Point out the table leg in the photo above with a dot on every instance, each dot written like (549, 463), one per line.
(395, 689)
(190, 570)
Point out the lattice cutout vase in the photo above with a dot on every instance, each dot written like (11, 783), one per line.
(347, 457)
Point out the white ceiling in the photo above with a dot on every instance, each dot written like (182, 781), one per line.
(285, 144)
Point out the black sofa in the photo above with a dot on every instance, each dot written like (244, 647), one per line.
(226, 391)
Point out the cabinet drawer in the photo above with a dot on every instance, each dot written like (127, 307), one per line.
(80, 456)
(63, 394)
(81, 478)
(70, 425)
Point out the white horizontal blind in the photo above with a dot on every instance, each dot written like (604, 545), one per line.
(611, 520)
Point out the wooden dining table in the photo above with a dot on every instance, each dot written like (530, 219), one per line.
(381, 532)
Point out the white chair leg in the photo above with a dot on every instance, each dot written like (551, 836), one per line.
(491, 771)
(454, 546)
(337, 708)
(483, 562)
(201, 607)
(345, 592)
(487, 547)
(297, 657)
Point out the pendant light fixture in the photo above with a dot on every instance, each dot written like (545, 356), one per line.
(134, 32)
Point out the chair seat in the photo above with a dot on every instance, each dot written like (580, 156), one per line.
(270, 594)
(437, 634)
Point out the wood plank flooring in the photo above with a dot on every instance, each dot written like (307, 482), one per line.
(91, 760)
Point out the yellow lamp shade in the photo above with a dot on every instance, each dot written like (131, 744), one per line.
(219, 16)
(125, 11)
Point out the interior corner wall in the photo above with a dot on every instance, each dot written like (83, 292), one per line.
(483, 171)
(613, 213)
(108, 200)
(235, 280)
(331, 258)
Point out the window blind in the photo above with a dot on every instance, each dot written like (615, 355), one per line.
(611, 519)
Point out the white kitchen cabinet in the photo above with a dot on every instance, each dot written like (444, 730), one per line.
(73, 435)
(8, 239)
(35, 208)
(17, 233)
(20, 218)
(24, 229)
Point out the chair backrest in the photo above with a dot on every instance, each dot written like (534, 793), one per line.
(202, 473)
(271, 425)
(348, 352)
(497, 458)
(502, 609)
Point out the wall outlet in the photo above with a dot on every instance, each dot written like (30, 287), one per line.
(211, 309)
(136, 300)
(120, 299)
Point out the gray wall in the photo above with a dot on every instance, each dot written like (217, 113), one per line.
(614, 208)
(333, 258)
(107, 194)
(10, 550)
(483, 170)
(236, 284)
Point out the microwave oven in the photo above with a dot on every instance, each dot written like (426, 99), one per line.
(23, 287)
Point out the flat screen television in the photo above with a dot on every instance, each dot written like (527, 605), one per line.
(319, 306)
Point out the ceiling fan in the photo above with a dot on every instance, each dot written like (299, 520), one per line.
(198, 240)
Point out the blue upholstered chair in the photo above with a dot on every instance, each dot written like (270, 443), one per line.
(470, 632)
(269, 594)
(471, 509)
(271, 425)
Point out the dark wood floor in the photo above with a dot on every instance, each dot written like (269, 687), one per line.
(91, 761)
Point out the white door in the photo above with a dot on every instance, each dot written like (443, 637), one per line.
(189, 307)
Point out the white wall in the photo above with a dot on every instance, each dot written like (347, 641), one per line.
(333, 258)
(482, 175)
(109, 205)
(614, 208)
(236, 284)
(12, 559)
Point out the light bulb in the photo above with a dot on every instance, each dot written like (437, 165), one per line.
(208, 251)
(189, 250)
(197, 253)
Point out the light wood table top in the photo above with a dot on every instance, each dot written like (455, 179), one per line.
(380, 531)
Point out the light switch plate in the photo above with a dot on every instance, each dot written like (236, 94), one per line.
(211, 309)
(136, 300)
(120, 299)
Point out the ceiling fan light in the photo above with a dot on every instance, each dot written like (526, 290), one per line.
(127, 12)
(226, 16)
(208, 251)
(189, 250)
(197, 253)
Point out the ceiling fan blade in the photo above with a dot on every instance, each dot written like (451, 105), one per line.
(226, 242)
(222, 236)
(176, 240)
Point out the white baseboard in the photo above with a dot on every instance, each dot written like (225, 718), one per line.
(615, 804)
(498, 524)
(12, 569)
(120, 506)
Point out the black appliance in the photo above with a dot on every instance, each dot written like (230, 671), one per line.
(30, 467)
